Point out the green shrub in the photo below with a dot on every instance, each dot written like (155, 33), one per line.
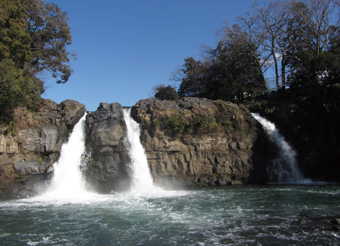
(177, 123)
(166, 93)
(205, 121)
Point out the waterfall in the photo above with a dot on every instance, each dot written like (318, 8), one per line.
(67, 180)
(142, 182)
(283, 169)
(68, 185)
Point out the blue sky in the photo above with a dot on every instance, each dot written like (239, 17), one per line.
(126, 47)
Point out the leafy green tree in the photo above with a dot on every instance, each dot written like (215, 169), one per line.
(229, 72)
(17, 89)
(193, 76)
(15, 39)
(50, 34)
(166, 93)
(238, 65)
(33, 37)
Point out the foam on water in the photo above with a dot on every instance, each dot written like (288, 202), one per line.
(265, 215)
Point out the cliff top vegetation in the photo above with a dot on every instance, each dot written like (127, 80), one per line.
(298, 41)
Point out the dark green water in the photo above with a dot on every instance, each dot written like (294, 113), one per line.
(236, 215)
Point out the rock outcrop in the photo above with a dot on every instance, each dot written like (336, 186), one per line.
(31, 143)
(199, 142)
(108, 158)
(189, 142)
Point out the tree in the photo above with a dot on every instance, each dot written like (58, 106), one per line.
(16, 89)
(15, 39)
(229, 72)
(33, 37)
(50, 34)
(244, 65)
(292, 35)
(313, 25)
(272, 19)
(163, 92)
(241, 73)
(331, 79)
(193, 78)
(332, 62)
(293, 32)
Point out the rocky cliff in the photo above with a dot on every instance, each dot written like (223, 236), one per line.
(200, 142)
(31, 143)
(189, 142)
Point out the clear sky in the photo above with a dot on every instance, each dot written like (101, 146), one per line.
(126, 47)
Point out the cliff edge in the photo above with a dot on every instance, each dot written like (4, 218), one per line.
(200, 142)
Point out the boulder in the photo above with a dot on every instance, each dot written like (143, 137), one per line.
(71, 111)
(105, 134)
(24, 168)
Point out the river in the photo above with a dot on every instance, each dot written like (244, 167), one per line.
(233, 215)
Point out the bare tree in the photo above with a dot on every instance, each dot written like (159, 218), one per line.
(272, 18)
(321, 17)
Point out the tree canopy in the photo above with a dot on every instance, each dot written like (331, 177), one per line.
(33, 38)
(300, 40)
(231, 71)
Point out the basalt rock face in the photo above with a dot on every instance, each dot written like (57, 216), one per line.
(200, 142)
(108, 160)
(31, 143)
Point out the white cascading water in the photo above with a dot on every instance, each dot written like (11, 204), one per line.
(142, 182)
(68, 185)
(67, 181)
(285, 168)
